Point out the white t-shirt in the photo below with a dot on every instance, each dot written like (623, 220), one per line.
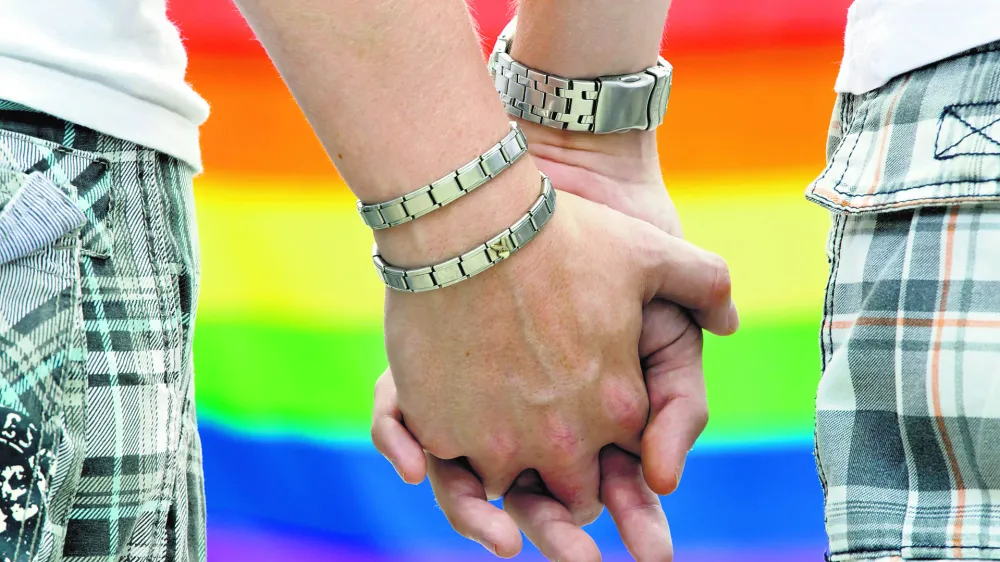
(886, 38)
(116, 66)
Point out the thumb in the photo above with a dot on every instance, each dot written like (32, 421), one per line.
(678, 271)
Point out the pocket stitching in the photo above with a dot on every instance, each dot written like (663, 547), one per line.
(952, 111)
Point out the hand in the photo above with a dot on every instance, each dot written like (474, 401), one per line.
(502, 486)
(671, 353)
(622, 172)
(548, 375)
(634, 507)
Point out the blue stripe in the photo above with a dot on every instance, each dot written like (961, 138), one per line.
(728, 499)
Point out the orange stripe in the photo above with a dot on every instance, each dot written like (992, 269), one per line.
(936, 380)
(915, 323)
(256, 127)
(884, 134)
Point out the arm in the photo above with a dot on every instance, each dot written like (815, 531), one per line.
(585, 39)
(396, 92)
(591, 38)
(510, 369)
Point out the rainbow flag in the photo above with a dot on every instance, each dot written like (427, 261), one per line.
(288, 346)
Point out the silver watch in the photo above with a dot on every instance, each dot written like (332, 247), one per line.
(607, 104)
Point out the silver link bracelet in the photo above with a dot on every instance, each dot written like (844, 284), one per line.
(476, 260)
(421, 201)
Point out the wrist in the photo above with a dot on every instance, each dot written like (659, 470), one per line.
(627, 158)
(632, 144)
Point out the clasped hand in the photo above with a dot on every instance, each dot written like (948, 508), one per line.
(548, 378)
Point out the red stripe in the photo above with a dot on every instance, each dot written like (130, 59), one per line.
(215, 26)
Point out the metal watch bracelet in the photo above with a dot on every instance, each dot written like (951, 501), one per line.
(607, 104)
(421, 201)
(476, 260)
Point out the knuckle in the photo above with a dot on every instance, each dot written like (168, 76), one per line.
(721, 283)
(441, 448)
(700, 417)
(378, 437)
(502, 448)
(626, 406)
(384, 384)
(496, 487)
(563, 441)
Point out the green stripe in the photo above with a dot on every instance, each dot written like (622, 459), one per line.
(316, 382)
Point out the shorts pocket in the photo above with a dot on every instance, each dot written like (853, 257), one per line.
(928, 137)
(36, 215)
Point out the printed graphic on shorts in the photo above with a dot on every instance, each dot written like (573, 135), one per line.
(25, 464)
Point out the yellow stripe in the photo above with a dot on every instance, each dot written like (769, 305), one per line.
(279, 248)
(773, 239)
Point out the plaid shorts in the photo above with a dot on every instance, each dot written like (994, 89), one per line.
(99, 451)
(908, 407)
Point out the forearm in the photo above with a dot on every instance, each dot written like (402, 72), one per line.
(398, 94)
(589, 38)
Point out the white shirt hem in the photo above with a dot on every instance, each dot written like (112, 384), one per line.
(99, 107)
(886, 38)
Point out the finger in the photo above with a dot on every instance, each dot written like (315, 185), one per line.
(463, 501)
(390, 436)
(635, 508)
(679, 271)
(495, 485)
(547, 523)
(678, 409)
(577, 487)
(663, 323)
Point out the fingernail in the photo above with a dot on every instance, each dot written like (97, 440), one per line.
(488, 546)
(398, 471)
(734, 318)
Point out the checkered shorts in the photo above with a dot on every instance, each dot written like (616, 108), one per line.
(908, 408)
(99, 451)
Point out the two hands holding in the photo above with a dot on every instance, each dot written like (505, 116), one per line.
(570, 375)
(546, 380)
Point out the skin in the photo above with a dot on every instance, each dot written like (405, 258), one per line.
(531, 368)
(621, 171)
(670, 349)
